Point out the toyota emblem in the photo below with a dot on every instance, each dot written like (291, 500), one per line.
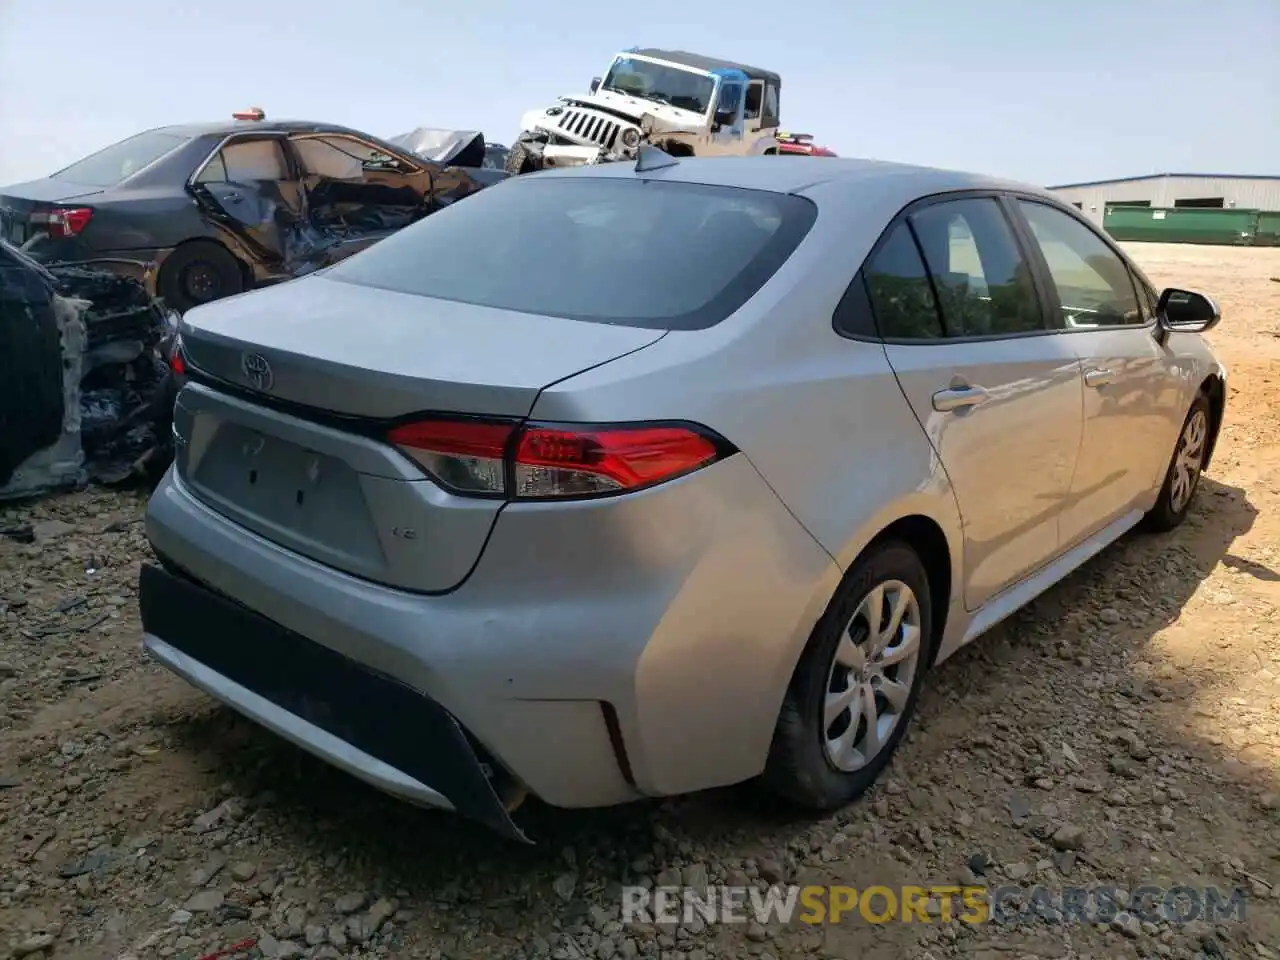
(257, 371)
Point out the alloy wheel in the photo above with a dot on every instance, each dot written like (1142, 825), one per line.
(871, 675)
(1188, 461)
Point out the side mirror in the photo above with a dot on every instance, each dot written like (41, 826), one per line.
(595, 84)
(1186, 311)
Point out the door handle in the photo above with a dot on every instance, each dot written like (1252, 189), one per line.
(956, 398)
(1097, 378)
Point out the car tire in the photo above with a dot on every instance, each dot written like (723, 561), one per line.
(813, 760)
(1182, 478)
(520, 159)
(197, 272)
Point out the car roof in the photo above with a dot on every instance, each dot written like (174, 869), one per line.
(699, 62)
(805, 175)
(226, 128)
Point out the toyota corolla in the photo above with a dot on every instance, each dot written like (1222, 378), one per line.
(633, 480)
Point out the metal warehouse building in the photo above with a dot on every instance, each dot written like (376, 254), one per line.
(1193, 190)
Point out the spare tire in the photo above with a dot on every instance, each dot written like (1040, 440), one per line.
(31, 389)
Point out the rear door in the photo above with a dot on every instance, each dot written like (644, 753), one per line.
(1131, 398)
(248, 188)
(996, 389)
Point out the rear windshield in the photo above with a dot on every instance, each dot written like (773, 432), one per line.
(641, 253)
(112, 164)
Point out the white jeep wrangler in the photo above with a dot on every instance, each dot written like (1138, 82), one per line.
(683, 103)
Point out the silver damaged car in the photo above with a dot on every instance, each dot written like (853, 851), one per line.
(637, 479)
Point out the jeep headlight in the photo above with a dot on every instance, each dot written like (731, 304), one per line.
(630, 137)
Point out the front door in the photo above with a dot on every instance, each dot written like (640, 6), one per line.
(1131, 402)
(996, 389)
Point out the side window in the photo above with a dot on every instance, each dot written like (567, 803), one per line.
(247, 160)
(1095, 288)
(215, 171)
(983, 281)
(342, 158)
(755, 92)
(770, 116)
(901, 294)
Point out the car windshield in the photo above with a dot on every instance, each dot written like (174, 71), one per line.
(653, 81)
(113, 164)
(642, 253)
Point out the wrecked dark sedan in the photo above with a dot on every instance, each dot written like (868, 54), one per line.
(223, 207)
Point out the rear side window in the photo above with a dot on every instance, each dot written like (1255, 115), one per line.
(982, 280)
(901, 294)
(112, 164)
(641, 253)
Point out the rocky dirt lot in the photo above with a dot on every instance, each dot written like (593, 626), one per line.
(1135, 705)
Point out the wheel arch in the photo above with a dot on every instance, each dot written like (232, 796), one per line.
(246, 270)
(925, 536)
(1215, 388)
(929, 523)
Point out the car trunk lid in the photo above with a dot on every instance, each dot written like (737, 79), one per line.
(293, 388)
(19, 201)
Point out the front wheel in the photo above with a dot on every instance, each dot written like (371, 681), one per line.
(856, 686)
(520, 159)
(1182, 479)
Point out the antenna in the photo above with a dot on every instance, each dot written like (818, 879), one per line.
(651, 158)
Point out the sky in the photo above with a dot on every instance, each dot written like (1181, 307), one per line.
(1044, 92)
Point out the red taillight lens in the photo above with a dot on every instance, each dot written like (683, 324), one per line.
(543, 460)
(62, 223)
(566, 461)
(177, 364)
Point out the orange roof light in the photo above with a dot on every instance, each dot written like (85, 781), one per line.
(253, 113)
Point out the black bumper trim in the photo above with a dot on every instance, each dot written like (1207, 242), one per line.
(374, 713)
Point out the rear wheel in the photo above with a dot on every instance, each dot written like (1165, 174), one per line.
(199, 272)
(856, 686)
(1182, 479)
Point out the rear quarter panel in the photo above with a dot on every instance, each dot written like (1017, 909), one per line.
(820, 416)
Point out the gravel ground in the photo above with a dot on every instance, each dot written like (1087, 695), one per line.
(1134, 705)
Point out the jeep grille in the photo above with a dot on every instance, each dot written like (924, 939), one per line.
(595, 127)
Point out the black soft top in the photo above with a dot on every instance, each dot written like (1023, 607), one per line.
(699, 62)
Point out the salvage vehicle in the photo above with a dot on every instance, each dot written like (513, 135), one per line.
(542, 529)
(223, 207)
(84, 378)
(684, 103)
(457, 148)
(801, 144)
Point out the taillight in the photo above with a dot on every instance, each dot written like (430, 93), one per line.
(177, 362)
(537, 461)
(62, 223)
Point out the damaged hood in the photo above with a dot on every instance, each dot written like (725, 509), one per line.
(667, 116)
(444, 146)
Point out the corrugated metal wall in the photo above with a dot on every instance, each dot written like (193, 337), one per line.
(1245, 194)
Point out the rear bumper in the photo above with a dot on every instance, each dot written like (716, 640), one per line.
(599, 652)
(318, 699)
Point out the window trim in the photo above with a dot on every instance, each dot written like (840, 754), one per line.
(1051, 295)
(1016, 228)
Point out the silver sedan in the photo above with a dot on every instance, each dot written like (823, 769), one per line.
(639, 479)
